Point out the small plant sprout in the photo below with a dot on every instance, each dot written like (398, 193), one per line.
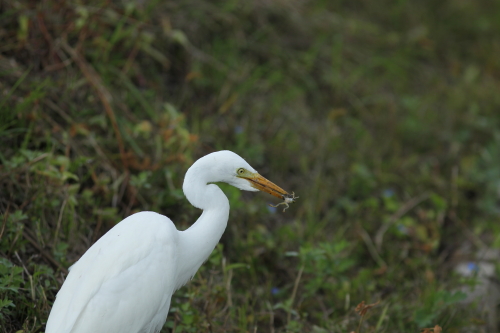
(288, 198)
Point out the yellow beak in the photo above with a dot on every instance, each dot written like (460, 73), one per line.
(262, 184)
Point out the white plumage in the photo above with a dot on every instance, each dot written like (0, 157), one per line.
(125, 281)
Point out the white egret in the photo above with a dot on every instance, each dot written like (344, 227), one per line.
(124, 282)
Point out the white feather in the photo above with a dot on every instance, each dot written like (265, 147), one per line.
(119, 281)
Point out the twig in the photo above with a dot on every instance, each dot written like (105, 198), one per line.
(103, 93)
(359, 324)
(294, 293)
(97, 228)
(5, 215)
(59, 220)
(34, 323)
(22, 263)
(228, 288)
(29, 238)
(379, 236)
(468, 233)
(371, 247)
(130, 59)
(46, 35)
(271, 317)
(60, 111)
(33, 296)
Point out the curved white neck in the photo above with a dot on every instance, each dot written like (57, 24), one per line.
(197, 243)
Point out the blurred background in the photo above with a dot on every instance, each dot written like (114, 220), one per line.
(382, 116)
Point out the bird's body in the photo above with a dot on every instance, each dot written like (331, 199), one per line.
(125, 281)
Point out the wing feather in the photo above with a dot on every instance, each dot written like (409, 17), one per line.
(128, 274)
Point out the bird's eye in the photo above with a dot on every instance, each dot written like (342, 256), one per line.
(240, 171)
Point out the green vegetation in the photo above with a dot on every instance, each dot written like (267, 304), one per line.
(382, 116)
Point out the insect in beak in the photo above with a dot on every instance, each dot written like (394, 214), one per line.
(288, 198)
(262, 184)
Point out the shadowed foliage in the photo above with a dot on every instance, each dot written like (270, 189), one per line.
(382, 116)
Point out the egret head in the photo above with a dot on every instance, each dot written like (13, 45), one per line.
(228, 167)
